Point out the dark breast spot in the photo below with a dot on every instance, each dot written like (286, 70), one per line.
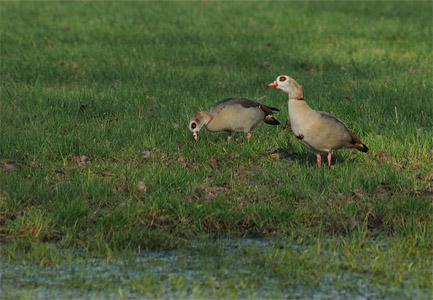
(300, 137)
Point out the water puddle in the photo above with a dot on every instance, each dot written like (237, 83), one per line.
(223, 268)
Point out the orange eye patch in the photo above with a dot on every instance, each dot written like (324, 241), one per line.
(193, 125)
(282, 78)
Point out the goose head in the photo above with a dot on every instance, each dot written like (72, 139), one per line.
(287, 85)
(197, 122)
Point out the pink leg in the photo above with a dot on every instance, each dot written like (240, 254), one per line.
(248, 136)
(329, 159)
(319, 160)
(229, 136)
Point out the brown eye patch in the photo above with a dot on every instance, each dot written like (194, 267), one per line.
(193, 125)
(282, 78)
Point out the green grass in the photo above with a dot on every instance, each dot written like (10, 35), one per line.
(228, 269)
(109, 80)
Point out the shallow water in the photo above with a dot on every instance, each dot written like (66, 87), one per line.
(227, 270)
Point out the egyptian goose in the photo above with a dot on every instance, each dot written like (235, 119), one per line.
(232, 114)
(317, 130)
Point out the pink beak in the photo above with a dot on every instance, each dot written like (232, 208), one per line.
(273, 84)
(195, 134)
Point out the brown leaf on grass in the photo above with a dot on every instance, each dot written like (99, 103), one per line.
(145, 154)
(212, 194)
(272, 150)
(256, 169)
(83, 107)
(285, 125)
(428, 177)
(3, 220)
(242, 201)
(213, 162)
(198, 193)
(274, 156)
(81, 160)
(240, 172)
(276, 153)
(233, 154)
(381, 189)
(241, 169)
(3, 195)
(200, 190)
(183, 162)
(382, 156)
(244, 171)
(54, 178)
(107, 172)
(307, 67)
(8, 167)
(208, 193)
(339, 223)
(359, 193)
(96, 214)
(157, 154)
(427, 192)
(141, 187)
(119, 189)
(382, 152)
(341, 196)
(163, 220)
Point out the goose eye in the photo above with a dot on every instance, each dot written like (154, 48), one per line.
(282, 78)
(193, 125)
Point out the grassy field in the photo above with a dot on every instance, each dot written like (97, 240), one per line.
(96, 153)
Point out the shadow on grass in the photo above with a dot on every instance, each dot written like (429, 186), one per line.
(308, 158)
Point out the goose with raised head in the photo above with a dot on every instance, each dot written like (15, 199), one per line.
(317, 130)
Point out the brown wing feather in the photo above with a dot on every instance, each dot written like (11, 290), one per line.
(266, 109)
